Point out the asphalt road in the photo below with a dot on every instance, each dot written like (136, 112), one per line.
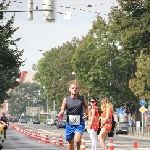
(19, 140)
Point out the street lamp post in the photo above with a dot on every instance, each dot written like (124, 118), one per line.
(47, 106)
(54, 109)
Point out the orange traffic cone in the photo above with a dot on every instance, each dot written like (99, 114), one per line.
(135, 145)
(111, 147)
(54, 140)
(35, 135)
(28, 133)
(43, 139)
(47, 139)
(31, 134)
(111, 140)
(82, 147)
(111, 144)
(61, 143)
(38, 136)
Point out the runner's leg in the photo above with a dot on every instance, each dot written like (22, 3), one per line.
(77, 139)
(70, 145)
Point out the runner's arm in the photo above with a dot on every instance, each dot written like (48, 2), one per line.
(63, 107)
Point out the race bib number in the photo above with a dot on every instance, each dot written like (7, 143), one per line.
(74, 119)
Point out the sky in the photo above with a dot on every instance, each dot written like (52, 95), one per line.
(38, 36)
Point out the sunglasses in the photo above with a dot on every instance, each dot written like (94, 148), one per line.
(92, 101)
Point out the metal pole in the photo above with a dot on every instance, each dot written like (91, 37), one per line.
(30, 13)
(54, 108)
(142, 123)
(47, 106)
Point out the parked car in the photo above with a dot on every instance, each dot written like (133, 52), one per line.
(23, 121)
(13, 120)
(61, 124)
(36, 121)
(122, 128)
(55, 122)
(49, 122)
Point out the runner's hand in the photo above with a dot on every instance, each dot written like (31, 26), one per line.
(61, 113)
(84, 117)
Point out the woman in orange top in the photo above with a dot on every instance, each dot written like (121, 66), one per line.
(106, 121)
(93, 123)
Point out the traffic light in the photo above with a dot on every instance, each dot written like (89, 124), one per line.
(50, 14)
(30, 7)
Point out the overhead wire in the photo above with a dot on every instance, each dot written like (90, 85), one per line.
(74, 7)
(70, 7)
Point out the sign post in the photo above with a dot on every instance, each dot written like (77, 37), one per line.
(142, 110)
(148, 105)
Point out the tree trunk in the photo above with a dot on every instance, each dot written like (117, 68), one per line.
(137, 112)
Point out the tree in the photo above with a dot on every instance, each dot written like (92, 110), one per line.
(25, 95)
(140, 85)
(55, 71)
(10, 56)
(96, 59)
(130, 25)
(99, 65)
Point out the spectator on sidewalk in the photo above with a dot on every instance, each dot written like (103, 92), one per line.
(131, 125)
(4, 119)
(106, 121)
(2, 126)
(93, 123)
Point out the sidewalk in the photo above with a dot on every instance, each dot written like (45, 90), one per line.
(132, 136)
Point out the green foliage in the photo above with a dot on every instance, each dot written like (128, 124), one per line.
(140, 85)
(55, 71)
(24, 95)
(101, 68)
(10, 56)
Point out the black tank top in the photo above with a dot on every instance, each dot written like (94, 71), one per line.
(74, 106)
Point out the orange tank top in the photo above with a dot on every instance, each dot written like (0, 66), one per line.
(95, 123)
(108, 124)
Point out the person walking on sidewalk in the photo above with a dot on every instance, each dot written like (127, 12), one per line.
(93, 123)
(106, 121)
(75, 124)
